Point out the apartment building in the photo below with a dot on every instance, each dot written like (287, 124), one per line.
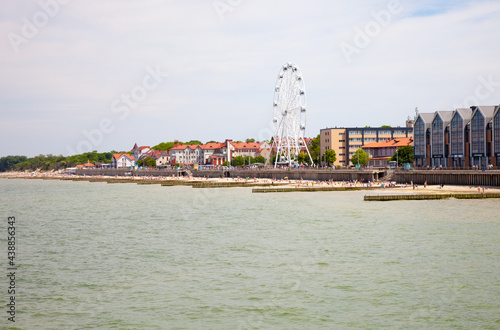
(346, 140)
(459, 138)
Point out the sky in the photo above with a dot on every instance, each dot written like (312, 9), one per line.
(77, 75)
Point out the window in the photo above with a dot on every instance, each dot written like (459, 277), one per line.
(419, 138)
(457, 135)
(370, 132)
(354, 132)
(384, 132)
(437, 137)
(496, 132)
(477, 133)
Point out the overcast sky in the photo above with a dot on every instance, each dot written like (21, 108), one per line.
(102, 75)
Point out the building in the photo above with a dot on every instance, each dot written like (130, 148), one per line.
(422, 139)
(188, 154)
(139, 152)
(345, 141)
(440, 128)
(496, 138)
(122, 161)
(381, 152)
(459, 138)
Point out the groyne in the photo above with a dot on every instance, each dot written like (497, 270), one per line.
(408, 197)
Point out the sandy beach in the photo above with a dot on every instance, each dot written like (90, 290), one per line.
(384, 187)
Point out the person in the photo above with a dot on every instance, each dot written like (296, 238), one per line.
(425, 184)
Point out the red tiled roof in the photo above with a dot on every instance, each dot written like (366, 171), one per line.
(390, 143)
(217, 145)
(244, 145)
(117, 156)
(182, 147)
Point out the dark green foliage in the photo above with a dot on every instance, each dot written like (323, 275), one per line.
(147, 162)
(260, 159)
(360, 157)
(51, 162)
(404, 155)
(329, 157)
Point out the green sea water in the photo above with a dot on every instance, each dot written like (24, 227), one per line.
(127, 256)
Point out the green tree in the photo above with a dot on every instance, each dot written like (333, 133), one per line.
(404, 155)
(237, 161)
(211, 141)
(197, 142)
(329, 157)
(260, 159)
(385, 126)
(250, 140)
(226, 163)
(148, 161)
(314, 149)
(164, 146)
(360, 157)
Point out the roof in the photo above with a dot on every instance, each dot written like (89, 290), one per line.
(487, 111)
(465, 113)
(445, 115)
(394, 143)
(426, 117)
(117, 156)
(216, 145)
(245, 145)
(184, 146)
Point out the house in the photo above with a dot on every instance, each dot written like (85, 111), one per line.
(440, 129)
(163, 159)
(122, 160)
(381, 152)
(139, 152)
(187, 154)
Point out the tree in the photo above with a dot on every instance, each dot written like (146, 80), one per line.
(211, 141)
(260, 159)
(329, 157)
(163, 146)
(360, 157)
(314, 149)
(404, 155)
(148, 161)
(226, 163)
(238, 161)
(250, 140)
(385, 126)
(197, 142)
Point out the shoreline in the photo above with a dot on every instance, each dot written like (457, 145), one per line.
(263, 184)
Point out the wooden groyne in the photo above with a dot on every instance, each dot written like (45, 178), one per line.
(311, 189)
(411, 197)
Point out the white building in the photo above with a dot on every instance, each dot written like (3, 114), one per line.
(122, 161)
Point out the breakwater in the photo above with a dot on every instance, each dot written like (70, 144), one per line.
(447, 177)
(315, 175)
(429, 196)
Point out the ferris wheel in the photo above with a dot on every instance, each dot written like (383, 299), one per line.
(289, 118)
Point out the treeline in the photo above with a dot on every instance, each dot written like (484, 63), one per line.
(52, 162)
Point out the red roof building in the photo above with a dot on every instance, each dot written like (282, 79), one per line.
(381, 152)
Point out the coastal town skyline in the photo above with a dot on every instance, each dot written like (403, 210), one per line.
(104, 77)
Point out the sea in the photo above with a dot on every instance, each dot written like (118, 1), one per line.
(127, 256)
